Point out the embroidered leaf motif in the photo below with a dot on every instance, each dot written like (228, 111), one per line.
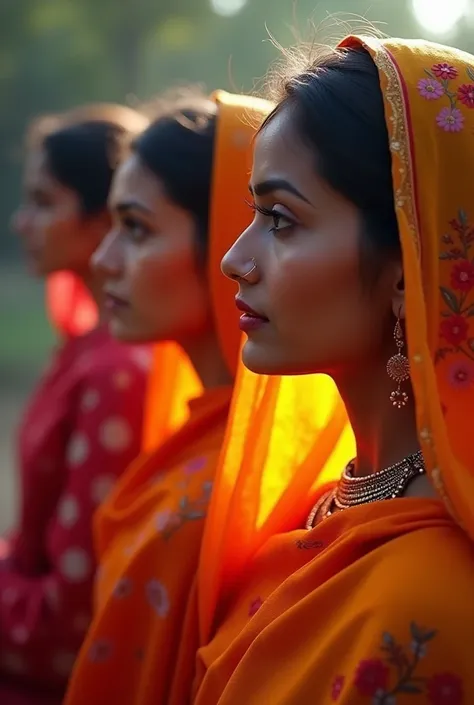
(372, 676)
(462, 215)
(450, 299)
(441, 353)
(388, 639)
(470, 73)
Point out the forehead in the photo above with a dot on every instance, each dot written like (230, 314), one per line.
(133, 181)
(37, 172)
(280, 153)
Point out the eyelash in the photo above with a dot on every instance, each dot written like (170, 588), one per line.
(271, 213)
(137, 230)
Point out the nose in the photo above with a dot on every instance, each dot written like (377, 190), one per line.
(238, 265)
(107, 260)
(19, 221)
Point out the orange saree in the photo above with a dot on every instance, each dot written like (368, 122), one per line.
(142, 643)
(373, 605)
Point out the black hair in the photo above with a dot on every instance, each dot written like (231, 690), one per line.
(83, 148)
(178, 148)
(338, 112)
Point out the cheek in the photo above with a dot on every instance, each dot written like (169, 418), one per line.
(320, 315)
(168, 294)
(312, 283)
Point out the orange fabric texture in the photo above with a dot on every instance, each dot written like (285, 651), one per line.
(173, 381)
(142, 644)
(71, 309)
(374, 604)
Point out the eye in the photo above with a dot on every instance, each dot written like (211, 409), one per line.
(136, 230)
(281, 221)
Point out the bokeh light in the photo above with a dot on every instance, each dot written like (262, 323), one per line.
(227, 8)
(439, 16)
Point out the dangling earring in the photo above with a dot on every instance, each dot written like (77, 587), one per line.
(398, 368)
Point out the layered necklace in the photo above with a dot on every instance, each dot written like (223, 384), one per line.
(351, 491)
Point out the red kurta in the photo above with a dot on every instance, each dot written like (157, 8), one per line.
(81, 429)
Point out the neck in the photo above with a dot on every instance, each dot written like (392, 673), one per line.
(207, 360)
(384, 434)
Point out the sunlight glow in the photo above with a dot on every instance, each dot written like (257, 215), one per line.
(227, 8)
(439, 16)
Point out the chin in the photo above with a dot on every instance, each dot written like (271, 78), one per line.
(262, 360)
(120, 332)
(267, 360)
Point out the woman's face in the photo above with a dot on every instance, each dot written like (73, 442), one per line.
(154, 287)
(305, 243)
(54, 231)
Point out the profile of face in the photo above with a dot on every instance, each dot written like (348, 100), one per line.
(154, 285)
(312, 310)
(55, 233)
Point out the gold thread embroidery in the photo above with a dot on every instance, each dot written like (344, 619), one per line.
(399, 143)
(400, 149)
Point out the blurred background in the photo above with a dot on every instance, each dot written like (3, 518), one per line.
(55, 54)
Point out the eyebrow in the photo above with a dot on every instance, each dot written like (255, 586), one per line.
(125, 206)
(266, 187)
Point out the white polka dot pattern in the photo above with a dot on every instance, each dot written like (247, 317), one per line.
(78, 449)
(75, 565)
(121, 379)
(101, 488)
(142, 358)
(9, 596)
(81, 622)
(13, 663)
(20, 634)
(63, 662)
(90, 400)
(115, 434)
(68, 512)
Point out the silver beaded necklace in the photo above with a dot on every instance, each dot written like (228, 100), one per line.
(353, 491)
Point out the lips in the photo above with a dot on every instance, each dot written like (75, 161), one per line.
(112, 301)
(248, 310)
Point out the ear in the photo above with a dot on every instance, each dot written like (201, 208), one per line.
(398, 294)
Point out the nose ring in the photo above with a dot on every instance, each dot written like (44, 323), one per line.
(252, 269)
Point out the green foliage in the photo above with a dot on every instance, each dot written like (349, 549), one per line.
(58, 53)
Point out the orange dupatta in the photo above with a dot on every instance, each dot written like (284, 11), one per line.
(142, 642)
(173, 380)
(373, 605)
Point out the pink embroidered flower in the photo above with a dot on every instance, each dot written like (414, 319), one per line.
(430, 88)
(444, 71)
(195, 465)
(454, 329)
(445, 689)
(462, 276)
(255, 606)
(371, 676)
(461, 374)
(100, 651)
(450, 120)
(157, 596)
(337, 686)
(466, 94)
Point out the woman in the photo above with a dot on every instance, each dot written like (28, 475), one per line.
(178, 202)
(358, 265)
(83, 424)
